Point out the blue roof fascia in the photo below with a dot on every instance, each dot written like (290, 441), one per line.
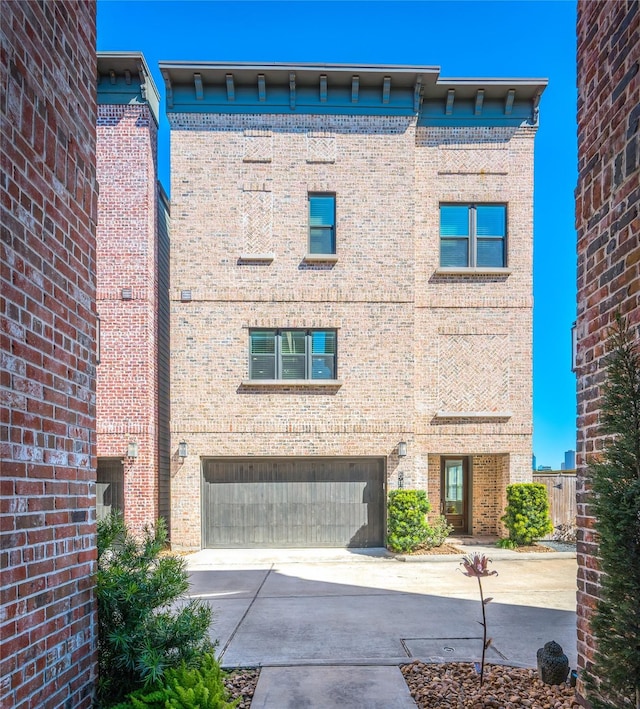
(278, 100)
(120, 92)
(463, 113)
(124, 78)
(219, 88)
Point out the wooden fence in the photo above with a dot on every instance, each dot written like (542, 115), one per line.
(561, 488)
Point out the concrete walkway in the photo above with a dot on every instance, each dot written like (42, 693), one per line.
(329, 627)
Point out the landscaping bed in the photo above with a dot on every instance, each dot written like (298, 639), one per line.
(241, 684)
(456, 685)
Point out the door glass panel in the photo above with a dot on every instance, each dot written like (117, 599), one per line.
(453, 487)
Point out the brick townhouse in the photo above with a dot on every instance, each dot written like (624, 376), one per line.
(132, 296)
(351, 298)
(48, 210)
(608, 225)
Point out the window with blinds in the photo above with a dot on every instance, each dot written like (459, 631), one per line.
(322, 223)
(473, 235)
(292, 354)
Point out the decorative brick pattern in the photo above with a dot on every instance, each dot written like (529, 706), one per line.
(482, 159)
(47, 360)
(321, 147)
(383, 295)
(258, 146)
(473, 372)
(608, 225)
(257, 221)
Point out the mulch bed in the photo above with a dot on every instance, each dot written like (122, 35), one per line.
(536, 548)
(451, 549)
(434, 551)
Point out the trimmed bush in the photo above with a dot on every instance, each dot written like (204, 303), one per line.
(185, 688)
(140, 635)
(407, 526)
(527, 514)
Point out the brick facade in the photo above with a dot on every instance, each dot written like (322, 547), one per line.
(414, 342)
(47, 335)
(608, 225)
(128, 297)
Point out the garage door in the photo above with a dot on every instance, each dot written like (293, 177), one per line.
(293, 502)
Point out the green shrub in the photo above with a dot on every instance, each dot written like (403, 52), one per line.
(185, 688)
(437, 532)
(407, 526)
(506, 544)
(527, 514)
(613, 680)
(139, 635)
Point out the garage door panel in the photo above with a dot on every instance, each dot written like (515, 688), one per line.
(293, 502)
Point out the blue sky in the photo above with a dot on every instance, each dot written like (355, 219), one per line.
(474, 38)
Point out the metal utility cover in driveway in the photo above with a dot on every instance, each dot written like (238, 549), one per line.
(292, 502)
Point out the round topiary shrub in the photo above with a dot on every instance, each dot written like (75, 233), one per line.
(527, 513)
(407, 526)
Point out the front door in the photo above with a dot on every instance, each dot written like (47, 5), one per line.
(454, 493)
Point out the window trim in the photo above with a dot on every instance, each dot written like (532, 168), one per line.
(321, 255)
(309, 380)
(472, 240)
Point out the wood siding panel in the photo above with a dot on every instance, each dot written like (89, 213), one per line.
(293, 502)
(561, 490)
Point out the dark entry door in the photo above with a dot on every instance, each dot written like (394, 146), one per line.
(293, 502)
(454, 489)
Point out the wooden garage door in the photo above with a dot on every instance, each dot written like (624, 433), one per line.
(293, 502)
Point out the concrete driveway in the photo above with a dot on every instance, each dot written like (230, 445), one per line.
(322, 609)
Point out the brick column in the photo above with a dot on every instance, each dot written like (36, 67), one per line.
(47, 361)
(607, 205)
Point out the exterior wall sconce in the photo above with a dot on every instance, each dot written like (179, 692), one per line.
(132, 449)
(402, 449)
(183, 449)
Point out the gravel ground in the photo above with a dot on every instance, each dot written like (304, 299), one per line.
(457, 686)
(242, 684)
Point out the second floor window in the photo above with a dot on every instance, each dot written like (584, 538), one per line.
(322, 224)
(473, 235)
(292, 354)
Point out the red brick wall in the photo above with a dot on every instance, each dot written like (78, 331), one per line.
(127, 386)
(607, 205)
(47, 332)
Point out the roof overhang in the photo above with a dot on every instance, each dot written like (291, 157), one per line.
(219, 87)
(125, 78)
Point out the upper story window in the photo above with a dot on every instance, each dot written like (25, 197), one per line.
(292, 354)
(473, 235)
(322, 223)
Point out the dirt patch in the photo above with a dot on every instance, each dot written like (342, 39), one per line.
(535, 548)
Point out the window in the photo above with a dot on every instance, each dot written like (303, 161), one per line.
(322, 224)
(473, 235)
(292, 354)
